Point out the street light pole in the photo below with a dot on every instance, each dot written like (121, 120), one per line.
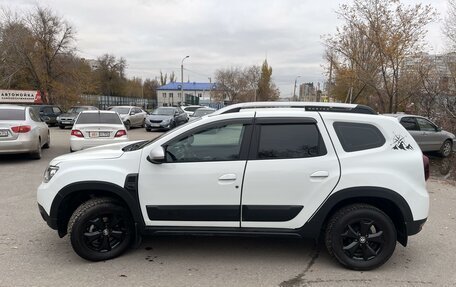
(294, 89)
(182, 77)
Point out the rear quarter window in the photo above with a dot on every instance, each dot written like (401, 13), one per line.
(357, 136)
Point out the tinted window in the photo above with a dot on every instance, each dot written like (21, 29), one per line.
(12, 114)
(214, 144)
(164, 111)
(409, 124)
(98, 118)
(426, 125)
(34, 116)
(355, 136)
(47, 110)
(56, 110)
(281, 141)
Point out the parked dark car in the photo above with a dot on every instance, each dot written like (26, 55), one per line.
(49, 111)
(165, 118)
(428, 135)
(67, 119)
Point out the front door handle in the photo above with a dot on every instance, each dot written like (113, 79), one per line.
(319, 174)
(228, 177)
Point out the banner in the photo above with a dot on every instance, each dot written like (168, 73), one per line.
(20, 97)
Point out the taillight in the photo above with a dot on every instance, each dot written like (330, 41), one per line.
(21, 129)
(120, 133)
(426, 167)
(77, 133)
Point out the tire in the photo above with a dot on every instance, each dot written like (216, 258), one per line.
(446, 148)
(127, 125)
(143, 123)
(92, 227)
(37, 153)
(62, 127)
(148, 130)
(360, 237)
(48, 143)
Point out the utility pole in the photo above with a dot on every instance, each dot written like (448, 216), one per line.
(294, 89)
(182, 78)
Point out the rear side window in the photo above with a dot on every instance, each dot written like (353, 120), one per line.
(99, 118)
(282, 141)
(12, 114)
(410, 124)
(356, 136)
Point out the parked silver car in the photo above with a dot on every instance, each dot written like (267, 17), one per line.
(22, 131)
(130, 115)
(428, 135)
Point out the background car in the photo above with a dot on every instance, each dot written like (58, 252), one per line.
(130, 115)
(428, 135)
(67, 119)
(95, 128)
(165, 118)
(201, 112)
(22, 131)
(189, 110)
(50, 111)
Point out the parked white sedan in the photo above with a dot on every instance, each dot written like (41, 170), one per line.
(22, 131)
(95, 128)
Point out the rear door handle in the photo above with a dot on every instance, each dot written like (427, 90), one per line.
(319, 174)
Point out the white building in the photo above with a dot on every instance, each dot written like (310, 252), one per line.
(194, 93)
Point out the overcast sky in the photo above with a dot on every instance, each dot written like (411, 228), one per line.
(155, 35)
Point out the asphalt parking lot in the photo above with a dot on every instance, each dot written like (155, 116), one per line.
(31, 254)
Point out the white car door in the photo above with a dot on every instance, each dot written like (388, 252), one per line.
(200, 182)
(292, 168)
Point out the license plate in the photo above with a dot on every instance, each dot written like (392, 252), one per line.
(3, 133)
(93, 134)
(66, 122)
(155, 125)
(104, 134)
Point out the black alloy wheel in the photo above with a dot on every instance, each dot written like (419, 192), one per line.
(361, 237)
(100, 229)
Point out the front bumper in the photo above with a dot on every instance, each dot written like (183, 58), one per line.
(151, 126)
(52, 222)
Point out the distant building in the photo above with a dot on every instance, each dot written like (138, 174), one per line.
(307, 92)
(94, 64)
(194, 93)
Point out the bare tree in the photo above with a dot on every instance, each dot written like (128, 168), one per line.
(376, 38)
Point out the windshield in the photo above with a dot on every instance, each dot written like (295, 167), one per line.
(98, 118)
(120, 111)
(164, 111)
(77, 110)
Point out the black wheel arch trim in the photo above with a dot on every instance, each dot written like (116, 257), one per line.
(128, 193)
(371, 194)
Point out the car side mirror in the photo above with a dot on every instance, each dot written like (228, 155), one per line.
(157, 155)
(45, 119)
(439, 129)
(132, 113)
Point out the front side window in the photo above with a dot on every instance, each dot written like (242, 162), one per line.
(282, 141)
(56, 110)
(220, 143)
(356, 136)
(426, 125)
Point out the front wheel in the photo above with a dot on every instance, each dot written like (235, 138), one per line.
(446, 149)
(360, 237)
(100, 229)
(127, 125)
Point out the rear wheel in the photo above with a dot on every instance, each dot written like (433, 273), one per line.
(100, 229)
(48, 143)
(127, 125)
(446, 148)
(360, 237)
(37, 153)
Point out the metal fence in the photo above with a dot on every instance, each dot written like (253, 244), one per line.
(103, 102)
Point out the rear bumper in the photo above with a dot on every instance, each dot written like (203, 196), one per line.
(415, 227)
(25, 145)
(83, 143)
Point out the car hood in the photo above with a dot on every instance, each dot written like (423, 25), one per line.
(109, 151)
(68, 115)
(159, 117)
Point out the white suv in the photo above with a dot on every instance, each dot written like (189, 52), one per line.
(355, 180)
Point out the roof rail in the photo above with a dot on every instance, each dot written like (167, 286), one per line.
(307, 106)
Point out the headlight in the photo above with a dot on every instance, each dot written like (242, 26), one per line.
(166, 122)
(58, 118)
(50, 172)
